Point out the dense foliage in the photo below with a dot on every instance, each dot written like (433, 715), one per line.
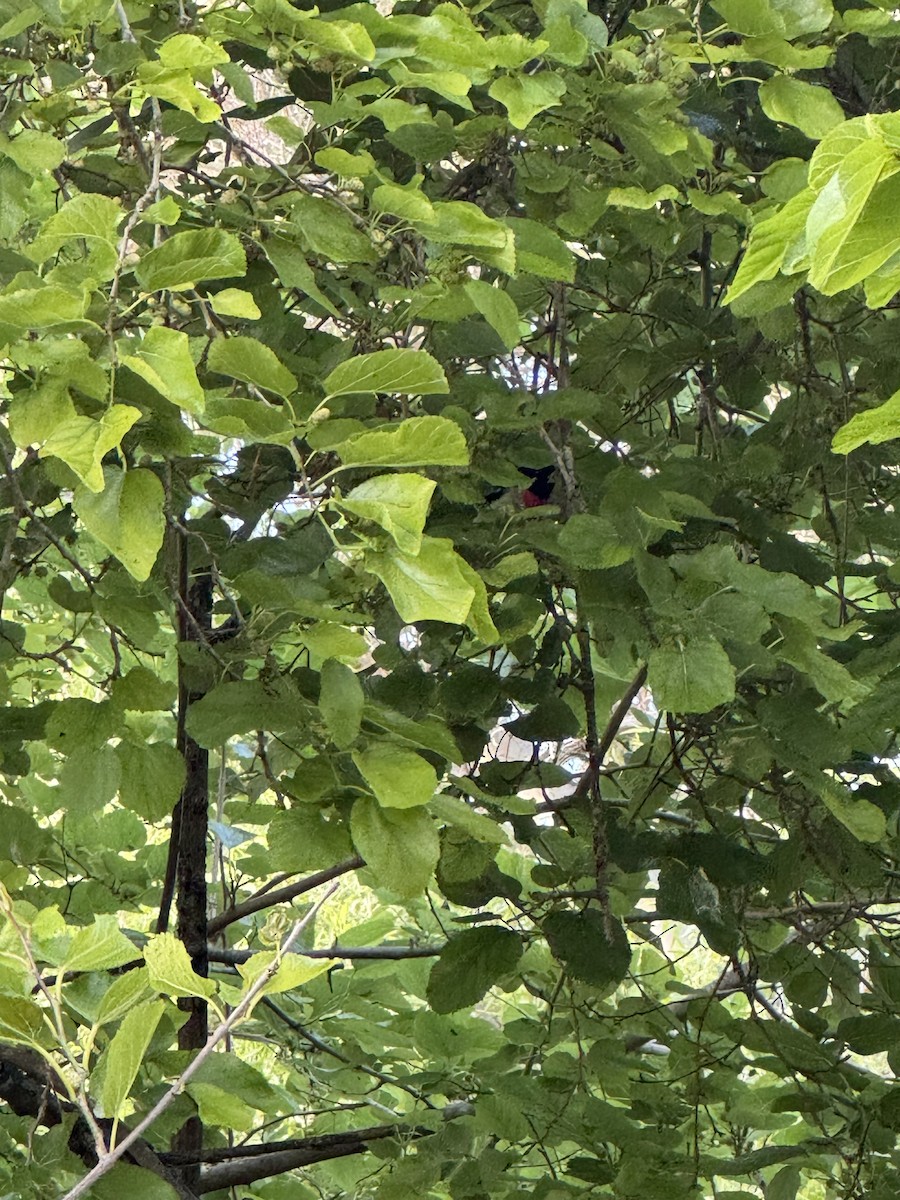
(447, 475)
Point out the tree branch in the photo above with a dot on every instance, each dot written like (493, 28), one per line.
(232, 958)
(282, 896)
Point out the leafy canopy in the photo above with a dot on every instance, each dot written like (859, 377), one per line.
(448, 455)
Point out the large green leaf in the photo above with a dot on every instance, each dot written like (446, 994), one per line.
(163, 359)
(850, 231)
(691, 675)
(398, 503)
(524, 96)
(170, 970)
(470, 964)
(400, 846)
(125, 1054)
(773, 241)
(175, 86)
(41, 307)
(188, 258)
(341, 702)
(127, 516)
(497, 308)
(786, 18)
(82, 443)
(152, 778)
(876, 425)
(91, 219)
(238, 707)
(429, 586)
(398, 777)
(591, 945)
(417, 442)
(406, 372)
(249, 360)
(98, 946)
(813, 110)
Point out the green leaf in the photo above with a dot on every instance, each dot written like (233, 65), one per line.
(33, 151)
(876, 425)
(89, 218)
(341, 162)
(398, 503)
(127, 516)
(175, 85)
(813, 110)
(164, 212)
(233, 302)
(216, 1106)
(834, 149)
(851, 231)
(479, 618)
(241, 706)
(124, 1179)
(99, 946)
(185, 259)
(163, 359)
(400, 846)
(524, 96)
(21, 1022)
(253, 420)
(691, 675)
(404, 372)
(295, 272)
(429, 586)
(541, 252)
(773, 242)
(36, 412)
(328, 230)
(784, 1184)
(594, 542)
(461, 223)
(89, 779)
(303, 838)
(81, 443)
(197, 55)
(873, 1033)
(125, 1054)
(471, 963)
(170, 969)
(41, 307)
(142, 690)
(293, 971)
(399, 778)
(417, 442)
(429, 733)
(865, 820)
(498, 309)
(346, 38)
(341, 702)
(636, 197)
(406, 202)
(152, 777)
(592, 946)
(786, 18)
(247, 359)
(800, 648)
(456, 812)
(123, 994)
